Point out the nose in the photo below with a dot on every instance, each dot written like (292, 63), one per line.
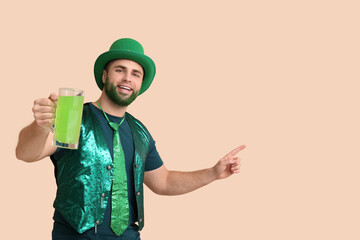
(127, 76)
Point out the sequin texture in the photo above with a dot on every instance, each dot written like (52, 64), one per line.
(84, 176)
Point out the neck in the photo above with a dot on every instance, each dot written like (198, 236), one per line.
(110, 107)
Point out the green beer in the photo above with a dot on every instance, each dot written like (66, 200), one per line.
(68, 121)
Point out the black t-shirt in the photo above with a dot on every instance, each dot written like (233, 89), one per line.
(152, 162)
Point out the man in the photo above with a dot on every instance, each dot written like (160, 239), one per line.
(90, 203)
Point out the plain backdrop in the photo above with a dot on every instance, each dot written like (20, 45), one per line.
(281, 77)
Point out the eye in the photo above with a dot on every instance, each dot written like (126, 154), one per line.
(119, 70)
(136, 75)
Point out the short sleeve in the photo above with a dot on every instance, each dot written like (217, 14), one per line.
(153, 160)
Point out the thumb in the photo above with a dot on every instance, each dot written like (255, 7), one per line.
(53, 97)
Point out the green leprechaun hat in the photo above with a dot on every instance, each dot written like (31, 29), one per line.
(126, 48)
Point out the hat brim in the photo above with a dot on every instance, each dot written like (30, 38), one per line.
(146, 62)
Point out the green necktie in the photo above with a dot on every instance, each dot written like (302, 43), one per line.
(120, 202)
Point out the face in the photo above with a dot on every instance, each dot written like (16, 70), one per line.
(122, 81)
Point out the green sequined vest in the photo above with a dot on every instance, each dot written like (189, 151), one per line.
(84, 176)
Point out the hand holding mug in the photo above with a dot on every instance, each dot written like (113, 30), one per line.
(44, 110)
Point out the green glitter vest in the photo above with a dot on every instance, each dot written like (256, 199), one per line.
(84, 176)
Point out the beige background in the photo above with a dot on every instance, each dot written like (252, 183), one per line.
(281, 77)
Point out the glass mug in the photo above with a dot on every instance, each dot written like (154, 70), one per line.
(68, 118)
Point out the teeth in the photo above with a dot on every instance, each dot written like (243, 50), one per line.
(127, 88)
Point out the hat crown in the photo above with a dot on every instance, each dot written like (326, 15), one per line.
(127, 44)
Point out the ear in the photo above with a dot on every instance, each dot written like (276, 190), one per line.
(104, 75)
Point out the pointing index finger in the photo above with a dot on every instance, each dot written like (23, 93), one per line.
(238, 149)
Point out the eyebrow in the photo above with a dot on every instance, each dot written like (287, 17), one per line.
(134, 70)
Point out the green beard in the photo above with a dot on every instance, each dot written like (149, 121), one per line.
(111, 92)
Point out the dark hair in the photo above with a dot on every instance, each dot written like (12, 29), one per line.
(106, 68)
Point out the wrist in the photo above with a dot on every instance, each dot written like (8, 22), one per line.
(212, 174)
(41, 129)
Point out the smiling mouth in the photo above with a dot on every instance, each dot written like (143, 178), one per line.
(125, 88)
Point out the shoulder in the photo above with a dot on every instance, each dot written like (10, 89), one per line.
(86, 108)
(132, 120)
(137, 127)
(89, 111)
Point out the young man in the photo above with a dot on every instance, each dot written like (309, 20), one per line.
(114, 146)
